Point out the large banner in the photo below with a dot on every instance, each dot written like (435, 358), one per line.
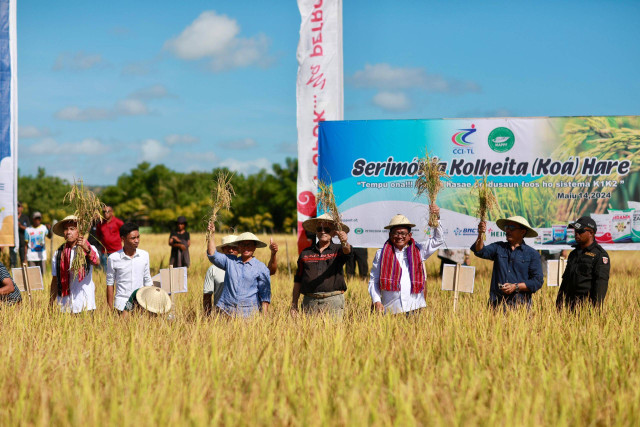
(319, 93)
(8, 122)
(548, 170)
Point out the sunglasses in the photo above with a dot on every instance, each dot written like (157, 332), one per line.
(323, 230)
(582, 230)
(400, 234)
(511, 227)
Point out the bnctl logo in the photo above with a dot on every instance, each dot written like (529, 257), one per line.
(460, 139)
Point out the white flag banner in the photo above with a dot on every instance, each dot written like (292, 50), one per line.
(319, 93)
(8, 123)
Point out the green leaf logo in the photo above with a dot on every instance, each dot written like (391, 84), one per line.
(501, 140)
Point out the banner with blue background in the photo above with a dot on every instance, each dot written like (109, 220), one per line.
(549, 170)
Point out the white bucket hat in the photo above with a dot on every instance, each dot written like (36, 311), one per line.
(518, 220)
(250, 237)
(227, 241)
(399, 220)
(312, 223)
(58, 228)
(153, 299)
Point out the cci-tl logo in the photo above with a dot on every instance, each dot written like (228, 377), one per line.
(460, 139)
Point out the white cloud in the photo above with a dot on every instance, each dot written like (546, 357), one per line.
(239, 144)
(78, 61)
(131, 107)
(288, 147)
(213, 36)
(28, 132)
(78, 114)
(49, 146)
(175, 139)
(247, 166)
(153, 150)
(385, 77)
(152, 92)
(392, 101)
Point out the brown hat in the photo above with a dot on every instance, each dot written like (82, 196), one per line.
(312, 223)
(520, 221)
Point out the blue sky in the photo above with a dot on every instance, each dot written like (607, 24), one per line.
(195, 85)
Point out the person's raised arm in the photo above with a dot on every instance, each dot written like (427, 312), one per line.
(479, 244)
(346, 247)
(211, 244)
(273, 263)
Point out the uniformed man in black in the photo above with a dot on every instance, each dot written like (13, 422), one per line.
(586, 276)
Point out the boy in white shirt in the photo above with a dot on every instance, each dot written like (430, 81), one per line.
(128, 268)
(36, 248)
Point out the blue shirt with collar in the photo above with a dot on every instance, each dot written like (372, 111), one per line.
(520, 265)
(246, 284)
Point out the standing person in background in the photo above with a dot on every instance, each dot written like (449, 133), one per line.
(74, 293)
(398, 276)
(108, 233)
(128, 268)
(36, 249)
(358, 256)
(23, 223)
(214, 279)
(180, 240)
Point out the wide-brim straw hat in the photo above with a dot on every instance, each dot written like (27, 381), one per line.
(312, 223)
(399, 220)
(250, 237)
(58, 228)
(227, 241)
(154, 299)
(518, 220)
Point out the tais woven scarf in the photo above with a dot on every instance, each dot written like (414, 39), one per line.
(391, 271)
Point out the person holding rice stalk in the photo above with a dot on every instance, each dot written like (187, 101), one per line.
(398, 277)
(73, 291)
(517, 270)
(320, 276)
(214, 279)
(247, 282)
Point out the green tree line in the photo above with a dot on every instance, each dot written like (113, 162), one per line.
(156, 196)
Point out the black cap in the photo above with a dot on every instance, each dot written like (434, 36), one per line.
(181, 220)
(582, 222)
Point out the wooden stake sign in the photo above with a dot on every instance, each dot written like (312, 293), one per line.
(172, 280)
(28, 279)
(555, 270)
(458, 278)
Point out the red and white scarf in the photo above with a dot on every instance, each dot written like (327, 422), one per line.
(390, 270)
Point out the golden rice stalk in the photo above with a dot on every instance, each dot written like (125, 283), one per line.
(327, 202)
(429, 182)
(487, 200)
(221, 196)
(87, 208)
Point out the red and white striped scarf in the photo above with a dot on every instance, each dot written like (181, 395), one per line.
(390, 269)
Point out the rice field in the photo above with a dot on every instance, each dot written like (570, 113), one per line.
(468, 368)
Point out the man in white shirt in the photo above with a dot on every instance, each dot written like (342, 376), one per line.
(214, 279)
(128, 268)
(398, 277)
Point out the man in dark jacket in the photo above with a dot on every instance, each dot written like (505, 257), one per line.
(587, 273)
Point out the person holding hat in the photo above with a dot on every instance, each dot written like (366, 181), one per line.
(214, 279)
(127, 269)
(151, 299)
(398, 277)
(247, 282)
(35, 248)
(73, 292)
(517, 270)
(586, 276)
(320, 276)
(180, 240)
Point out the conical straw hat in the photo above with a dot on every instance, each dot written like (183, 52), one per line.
(58, 228)
(312, 223)
(518, 220)
(399, 220)
(154, 299)
(244, 237)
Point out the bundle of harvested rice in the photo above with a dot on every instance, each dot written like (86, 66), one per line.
(487, 201)
(429, 182)
(221, 196)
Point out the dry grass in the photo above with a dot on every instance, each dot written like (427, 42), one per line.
(487, 201)
(327, 202)
(221, 195)
(429, 182)
(473, 368)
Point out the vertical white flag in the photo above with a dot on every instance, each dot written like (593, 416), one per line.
(319, 93)
(8, 122)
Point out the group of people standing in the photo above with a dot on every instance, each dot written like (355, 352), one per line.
(238, 284)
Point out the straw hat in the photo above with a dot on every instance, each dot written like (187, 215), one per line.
(518, 220)
(153, 299)
(312, 223)
(227, 241)
(58, 228)
(250, 237)
(399, 220)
